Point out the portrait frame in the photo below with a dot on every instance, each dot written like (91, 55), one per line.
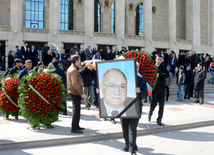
(129, 72)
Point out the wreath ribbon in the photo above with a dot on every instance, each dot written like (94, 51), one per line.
(9, 97)
(42, 97)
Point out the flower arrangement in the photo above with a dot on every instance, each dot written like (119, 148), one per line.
(9, 97)
(147, 68)
(41, 98)
(54, 48)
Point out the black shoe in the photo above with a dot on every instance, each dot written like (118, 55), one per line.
(160, 124)
(126, 149)
(76, 131)
(202, 102)
(197, 101)
(65, 113)
(105, 119)
(166, 99)
(149, 117)
(89, 105)
(145, 101)
(81, 128)
(113, 121)
(133, 153)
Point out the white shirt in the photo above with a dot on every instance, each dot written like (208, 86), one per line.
(110, 109)
(173, 60)
(162, 57)
(25, 48)
(90, 51)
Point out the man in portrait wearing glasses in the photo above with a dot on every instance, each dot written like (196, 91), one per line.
(115, 100)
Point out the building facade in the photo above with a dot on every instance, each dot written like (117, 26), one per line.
(179, 25)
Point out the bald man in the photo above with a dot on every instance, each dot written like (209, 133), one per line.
(114, 89)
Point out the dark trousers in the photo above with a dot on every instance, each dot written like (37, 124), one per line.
(188, 91)
(193, 65)
(76, 100)
(158, 96)
(200, 95)
(129, 127)
(192, 89)
(167, 92)
(172, 70)
(95, 96)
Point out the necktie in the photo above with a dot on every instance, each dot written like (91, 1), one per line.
(114, 113)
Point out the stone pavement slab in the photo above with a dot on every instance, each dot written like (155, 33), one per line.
(197, 141)
(177, 115)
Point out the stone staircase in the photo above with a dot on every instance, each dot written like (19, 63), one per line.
(209, 88)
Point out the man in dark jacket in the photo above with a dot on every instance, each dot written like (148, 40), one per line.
(18, 53)
(158, 93)
(154, 54)
(48, 57)
(129, 126)
(173, 64)
(67, 63)
(61, 73)
(10, 59)
(188, 83)
(33, 55)
(24, 72)
(108, 55)
(180, 83)
(2, 56)
(24, 51)
(86, 78)
(193, 60)
(165, 58)
(200, 76)
(181, 59)
(45, 49)
(15, 70)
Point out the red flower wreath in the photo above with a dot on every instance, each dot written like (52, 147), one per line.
(33, 107)
(147, 68)
(10, 86)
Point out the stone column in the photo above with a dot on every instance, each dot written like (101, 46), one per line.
(120, 22)
(211, 19)
(148, 25)
(89, 23)
(193, 23)
(107, 19)
(172, 24)
(54, 10)
(16, 18)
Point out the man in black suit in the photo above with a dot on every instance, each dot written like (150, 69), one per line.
(10, 59)
(181, 59)
(193, 60)
(165, 58)
(131, 124)
(2, 56)
(15, 70)
(200, 76)
(24, 51)
(158, 94)
(24, 72)
(33, 55)
(61, 73)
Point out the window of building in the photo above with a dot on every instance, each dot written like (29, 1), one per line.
(34, 14)
(66, 15)
(113, 18)
(97, 16)
(139, 20)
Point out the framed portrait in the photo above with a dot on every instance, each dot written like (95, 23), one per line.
(117, 82)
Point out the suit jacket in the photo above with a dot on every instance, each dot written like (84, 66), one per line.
(200, 76)
(18, 54)
(175, 62)
(193, 58)
(10, 59)
(88, 54)
(22, 73)
(61, 73)
(24, 52)
(33, 54)
(131, 112)
(166, 58)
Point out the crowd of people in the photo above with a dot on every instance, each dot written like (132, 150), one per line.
(81, 81)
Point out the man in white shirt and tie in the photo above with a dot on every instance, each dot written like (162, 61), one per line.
(88, 53)
(24, 51)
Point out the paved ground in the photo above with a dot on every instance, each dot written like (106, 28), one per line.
(198, 141)
(175, 114)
